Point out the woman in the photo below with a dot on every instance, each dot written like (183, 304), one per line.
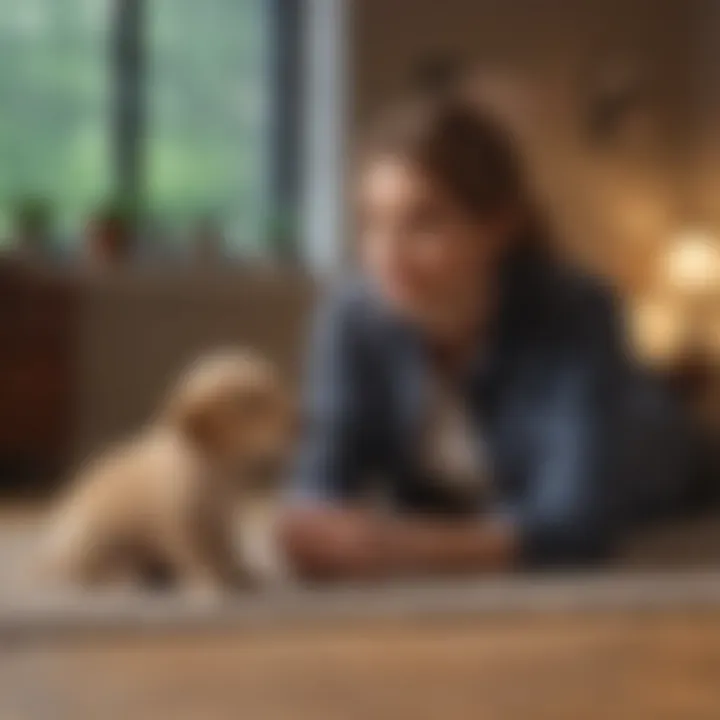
(468, 381)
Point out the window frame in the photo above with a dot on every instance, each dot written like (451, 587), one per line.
(286, 45)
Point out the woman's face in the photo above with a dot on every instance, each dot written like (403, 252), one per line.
(431, 260)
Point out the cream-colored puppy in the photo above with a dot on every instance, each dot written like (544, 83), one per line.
(166, 501)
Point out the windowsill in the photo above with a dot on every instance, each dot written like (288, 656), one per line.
(170, 268)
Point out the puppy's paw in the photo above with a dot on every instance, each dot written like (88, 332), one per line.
(263, 555)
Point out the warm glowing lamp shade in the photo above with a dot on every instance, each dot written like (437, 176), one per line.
(692, 265)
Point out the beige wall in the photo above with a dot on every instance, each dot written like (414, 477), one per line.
(610, 204)
(703, 195)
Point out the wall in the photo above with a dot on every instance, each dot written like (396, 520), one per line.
(613, 207)
(704, 81)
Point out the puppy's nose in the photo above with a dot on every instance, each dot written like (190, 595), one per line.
(264, 470)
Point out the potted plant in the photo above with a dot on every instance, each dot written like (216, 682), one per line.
(110, 233)
(32, 226)
(208, 242)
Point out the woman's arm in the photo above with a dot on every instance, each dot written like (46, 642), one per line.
(572, 511)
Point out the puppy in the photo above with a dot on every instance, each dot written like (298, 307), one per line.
(165, 502)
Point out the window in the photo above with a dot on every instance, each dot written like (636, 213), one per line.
(173, 102)
(54, 92)
(207, 99)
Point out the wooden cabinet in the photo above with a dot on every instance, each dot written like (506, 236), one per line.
(38, 344)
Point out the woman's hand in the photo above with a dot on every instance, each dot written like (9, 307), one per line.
(335, 543)
(327, 542)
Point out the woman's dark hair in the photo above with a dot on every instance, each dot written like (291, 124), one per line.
(459, 144)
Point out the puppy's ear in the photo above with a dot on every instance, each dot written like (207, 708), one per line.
(195, 419)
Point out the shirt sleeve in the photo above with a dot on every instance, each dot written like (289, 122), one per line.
(571, 512)
(331, 462)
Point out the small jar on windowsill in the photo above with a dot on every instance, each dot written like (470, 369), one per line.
(208, 244)
(32, 230)
(108, 241)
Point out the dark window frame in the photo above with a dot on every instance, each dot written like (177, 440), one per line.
(129, 111)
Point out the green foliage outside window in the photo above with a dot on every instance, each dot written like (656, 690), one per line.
(204, 140)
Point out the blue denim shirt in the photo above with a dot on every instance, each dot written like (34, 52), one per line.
(546, 395)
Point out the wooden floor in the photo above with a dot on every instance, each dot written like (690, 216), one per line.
(621, 665)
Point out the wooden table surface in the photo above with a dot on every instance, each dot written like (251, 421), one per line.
(629, 645)
(656, 664)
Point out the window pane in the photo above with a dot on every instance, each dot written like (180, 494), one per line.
(207, 85)
(54, 91)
